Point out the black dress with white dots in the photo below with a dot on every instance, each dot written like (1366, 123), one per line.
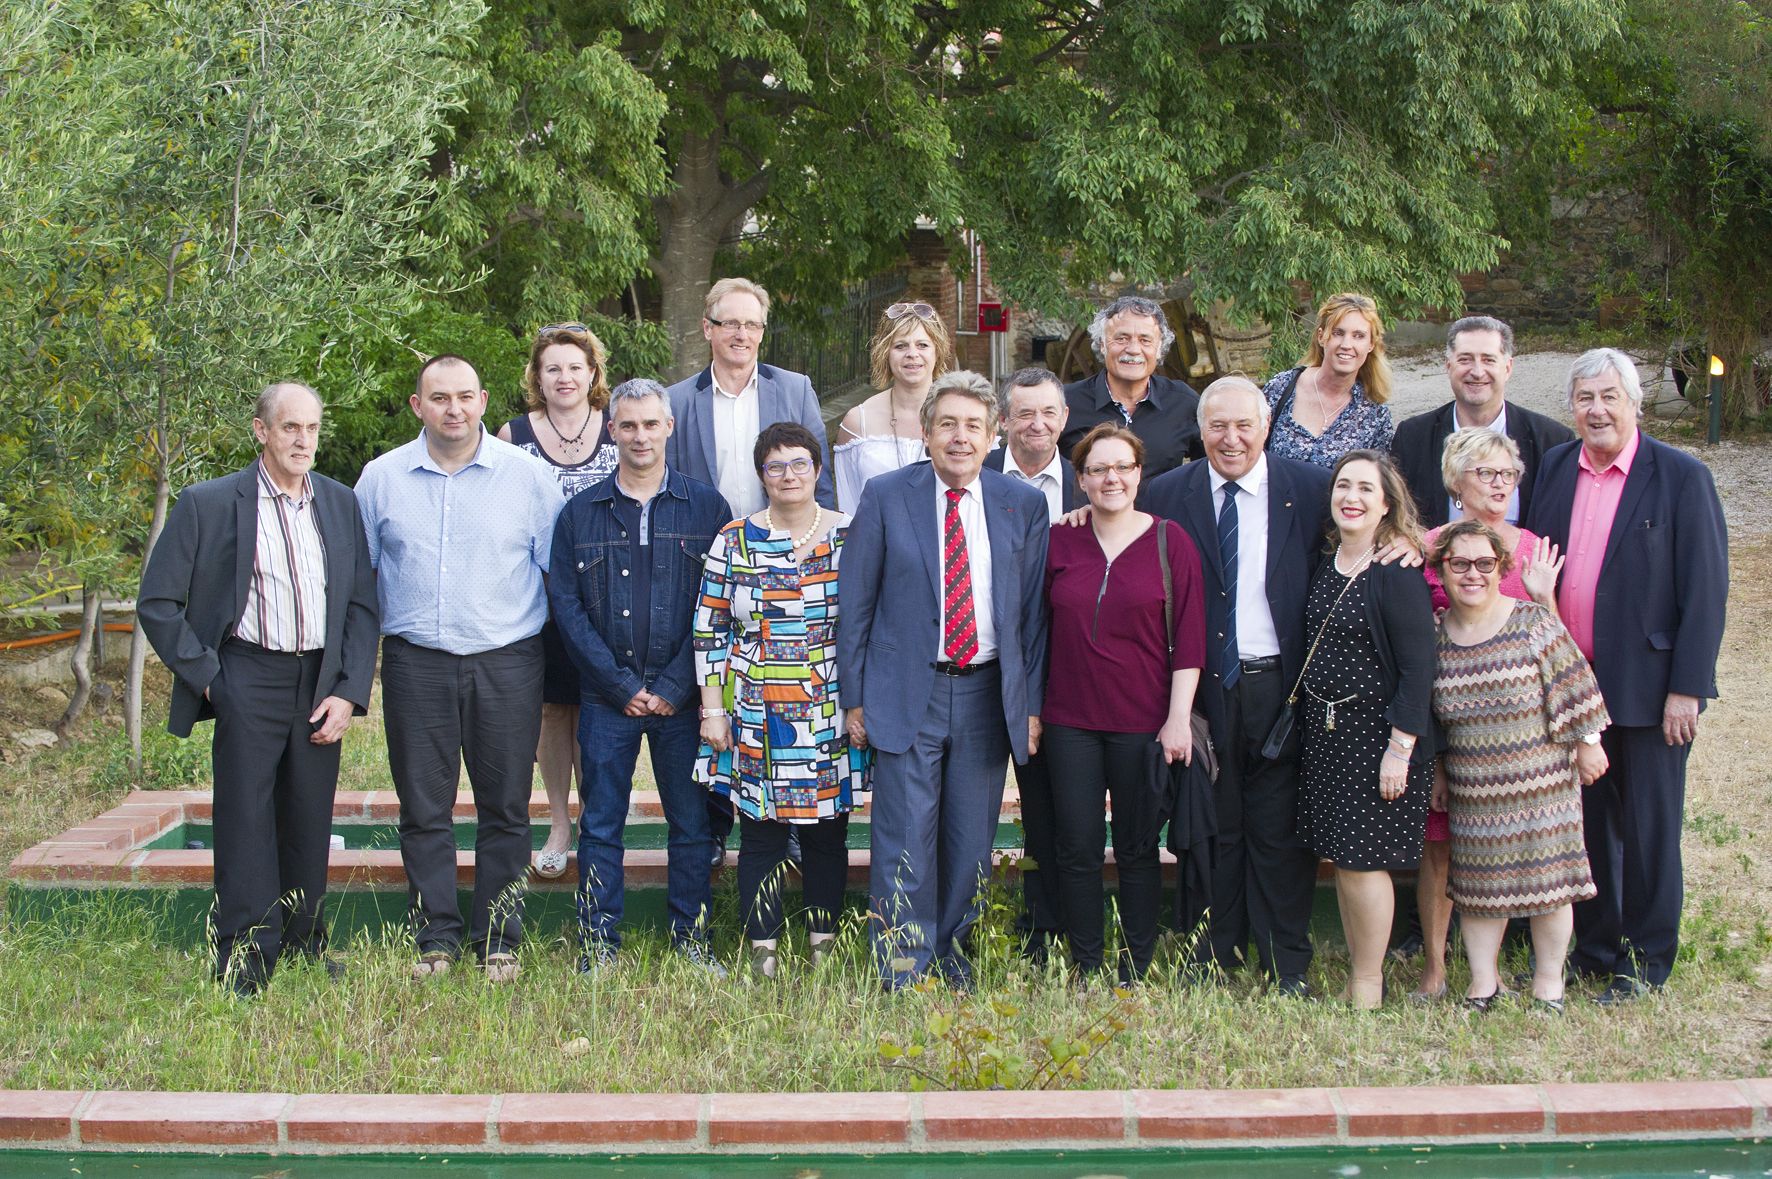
(1341, 815)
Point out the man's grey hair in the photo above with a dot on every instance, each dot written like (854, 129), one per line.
(965, 383)
(1233, 383)
(1480, 323)
(639, 389)
(268, 397)
(1031, 377)
(1594, 363)
(1136, 305)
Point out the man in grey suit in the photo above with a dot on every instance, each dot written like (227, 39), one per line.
(944, 673)
(721, 409)
(260, 598)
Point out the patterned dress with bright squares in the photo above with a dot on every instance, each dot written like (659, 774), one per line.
(766, 626)
(1513, 708)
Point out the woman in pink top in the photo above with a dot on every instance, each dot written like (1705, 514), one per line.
(1113, 688)
(1481, 470)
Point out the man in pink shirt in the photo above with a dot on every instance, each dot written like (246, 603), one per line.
(1643, 593)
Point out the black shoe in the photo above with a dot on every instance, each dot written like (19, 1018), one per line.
(1484, 1003)
(1623, 990)
(717, 861)
(597, 957)
(1293, 986)
(1408, 949)
(334, 967)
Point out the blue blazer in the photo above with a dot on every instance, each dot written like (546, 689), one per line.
(1297, 514)
(1664, 581)
(782, 396)
(889, 587)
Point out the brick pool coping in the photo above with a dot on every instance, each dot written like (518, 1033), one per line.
(107, 850)
(880, 1123)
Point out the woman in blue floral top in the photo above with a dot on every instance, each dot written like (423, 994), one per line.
(1334, 401)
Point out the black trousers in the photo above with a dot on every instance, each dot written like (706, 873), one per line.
(762, 872)
(1088, 768)
(1265, 878)
(273, 810)
(1039, 882)
(441, 709)
(1631, 818)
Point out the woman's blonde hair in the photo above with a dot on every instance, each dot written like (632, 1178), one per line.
(891, 331)
(1466, 447)
(1375, 374)
(586, 342)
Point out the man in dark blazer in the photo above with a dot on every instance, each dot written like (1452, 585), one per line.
(1130, 337)
(1644, 585)
(1259, 547)
(1479, 362)
(1034, 413)
(942, 661)
(721, 409)
(260, 598)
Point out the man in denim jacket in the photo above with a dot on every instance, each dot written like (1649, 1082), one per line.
(627, 564)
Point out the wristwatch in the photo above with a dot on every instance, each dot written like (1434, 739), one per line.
(1590, 739)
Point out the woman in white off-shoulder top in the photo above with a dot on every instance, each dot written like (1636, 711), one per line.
(911, 348)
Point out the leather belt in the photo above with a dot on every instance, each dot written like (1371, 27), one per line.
(1265, 663)
(955, 669)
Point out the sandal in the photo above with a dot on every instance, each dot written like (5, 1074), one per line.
(1547, 1006)
(432, 964)
(550, 865)
(1485, 1002)
(1422, 998)
(501, 968)
(820, 949)
(764, 961)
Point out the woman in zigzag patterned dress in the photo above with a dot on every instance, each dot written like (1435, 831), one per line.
(1522, 717)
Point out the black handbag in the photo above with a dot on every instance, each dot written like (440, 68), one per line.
(1281, 733)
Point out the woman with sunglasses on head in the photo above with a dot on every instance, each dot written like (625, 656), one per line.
(565, 390)
(1522, 716)
(1334, 401)
(910, 349)
(1481, 470)
(765, 638)
(1116, 683)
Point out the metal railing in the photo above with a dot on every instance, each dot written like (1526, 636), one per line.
(834, 350)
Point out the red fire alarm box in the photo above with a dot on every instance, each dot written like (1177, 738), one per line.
(992, 318)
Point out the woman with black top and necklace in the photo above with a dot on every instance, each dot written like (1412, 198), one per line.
(1364, 709)
(565, 390)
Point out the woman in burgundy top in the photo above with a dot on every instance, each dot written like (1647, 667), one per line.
(1111, 690)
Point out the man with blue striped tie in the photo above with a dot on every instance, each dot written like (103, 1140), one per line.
(1258, 523)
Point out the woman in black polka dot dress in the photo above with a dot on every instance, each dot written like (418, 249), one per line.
(1364, 709)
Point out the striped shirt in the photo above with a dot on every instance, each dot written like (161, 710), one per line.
(286, 596)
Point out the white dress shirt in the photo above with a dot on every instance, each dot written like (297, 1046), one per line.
(1499, 425)
(736, 426)
(1048, 481)
(1256, 637)
(978, 555)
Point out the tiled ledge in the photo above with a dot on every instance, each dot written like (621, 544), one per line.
(874, 1123)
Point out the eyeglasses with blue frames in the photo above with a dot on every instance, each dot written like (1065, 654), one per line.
(779, 469)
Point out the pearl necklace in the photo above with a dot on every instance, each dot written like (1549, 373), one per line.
(799, 541)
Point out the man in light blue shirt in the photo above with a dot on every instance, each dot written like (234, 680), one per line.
(459, 527)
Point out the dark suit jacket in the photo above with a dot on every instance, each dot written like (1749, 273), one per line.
(193, 590)
(1664, 581)
(782, 396)
(889, 589)
(1070, 492)
(1419, 441)
(1297, 514)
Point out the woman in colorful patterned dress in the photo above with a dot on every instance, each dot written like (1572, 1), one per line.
(772, 734)
(1334, 401)
(1522, 717)
(565, 391)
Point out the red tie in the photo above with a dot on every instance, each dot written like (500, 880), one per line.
(959, 640)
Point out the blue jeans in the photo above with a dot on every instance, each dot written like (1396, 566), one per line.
(609, 744)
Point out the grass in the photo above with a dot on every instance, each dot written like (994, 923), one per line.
(92, 998)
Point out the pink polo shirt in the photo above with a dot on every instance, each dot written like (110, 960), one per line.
(1590, 524)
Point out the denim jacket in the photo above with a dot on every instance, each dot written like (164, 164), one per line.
(593, 603)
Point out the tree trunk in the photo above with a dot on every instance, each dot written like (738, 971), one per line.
(81, 660)
(692, 222)
(138, 642)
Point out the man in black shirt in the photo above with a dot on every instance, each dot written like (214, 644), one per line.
(1131, 337)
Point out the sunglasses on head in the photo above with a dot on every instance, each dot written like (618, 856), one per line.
(580, 328)
(899, 310)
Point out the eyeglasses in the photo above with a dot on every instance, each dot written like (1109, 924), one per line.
(899, 310)
(777, 469)
(579, 328)
(1463, 565)
(1506, 476)
(1099, 470)
(738, 325)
